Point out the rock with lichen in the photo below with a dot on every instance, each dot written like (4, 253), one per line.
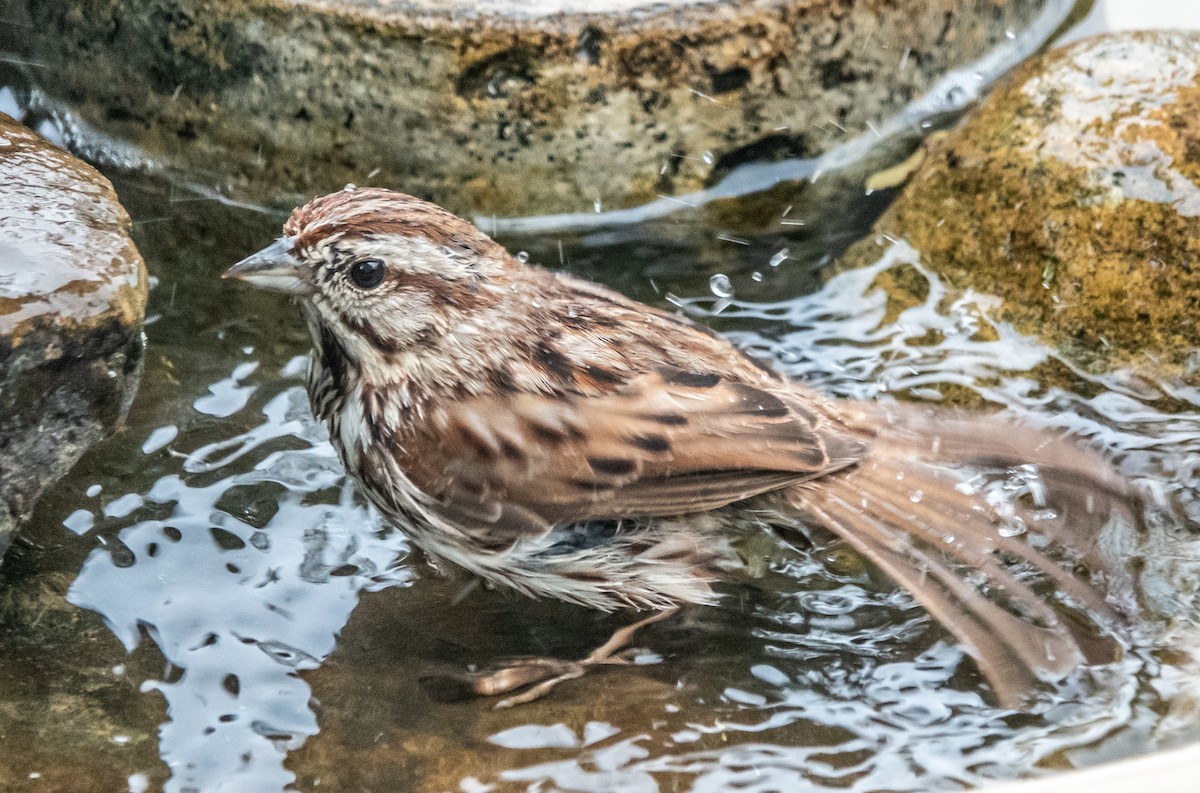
(72, 300)
(1073, 194)
(505, 106)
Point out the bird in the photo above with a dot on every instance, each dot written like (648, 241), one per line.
(552, 436)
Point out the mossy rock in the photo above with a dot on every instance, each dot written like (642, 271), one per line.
(72, 299)
(504, 107)
(1073, 194)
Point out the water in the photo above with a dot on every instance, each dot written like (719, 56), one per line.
(289, 620)
(205, 603)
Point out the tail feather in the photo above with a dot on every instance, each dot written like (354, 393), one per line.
(978, 539)
(983, 627)
(1083, 487)
(908, 508)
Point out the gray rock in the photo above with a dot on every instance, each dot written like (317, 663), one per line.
(72, 300)
(502, 107)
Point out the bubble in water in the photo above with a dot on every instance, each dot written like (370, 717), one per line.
(778, 258)
(720, 285)
(957, 95)
(756, 276)
(522, 256)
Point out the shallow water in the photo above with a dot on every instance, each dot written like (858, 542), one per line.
(263, 629)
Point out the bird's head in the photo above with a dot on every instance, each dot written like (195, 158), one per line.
(381, 271)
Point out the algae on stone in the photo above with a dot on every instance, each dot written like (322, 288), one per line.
(1073, 194)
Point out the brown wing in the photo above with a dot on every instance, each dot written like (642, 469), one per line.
(668, 443)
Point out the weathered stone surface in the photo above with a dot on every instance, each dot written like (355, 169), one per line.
(72, 299)
(506, 107)
(1074, 195)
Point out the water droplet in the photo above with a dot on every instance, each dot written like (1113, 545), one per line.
(1015, 529)
(720, 285)
(756, 277)
(778, 258)
(523, 256)
(957, 95)
(917, 496)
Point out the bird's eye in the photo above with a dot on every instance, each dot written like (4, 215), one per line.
(367, 274)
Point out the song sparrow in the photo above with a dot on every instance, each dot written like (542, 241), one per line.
(553, 436)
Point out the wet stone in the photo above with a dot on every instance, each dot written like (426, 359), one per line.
(72, 298)
(502, 107)
(1072, 194)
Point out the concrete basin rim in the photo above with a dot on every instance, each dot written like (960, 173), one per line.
(954, 92)
(1170, 771)
(561, 16)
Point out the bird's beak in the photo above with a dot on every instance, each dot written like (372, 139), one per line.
(274, 268)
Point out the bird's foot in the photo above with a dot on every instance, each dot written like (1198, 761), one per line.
(533, 678)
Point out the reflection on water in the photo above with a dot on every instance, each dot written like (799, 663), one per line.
(237, 548)
(241, 584)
